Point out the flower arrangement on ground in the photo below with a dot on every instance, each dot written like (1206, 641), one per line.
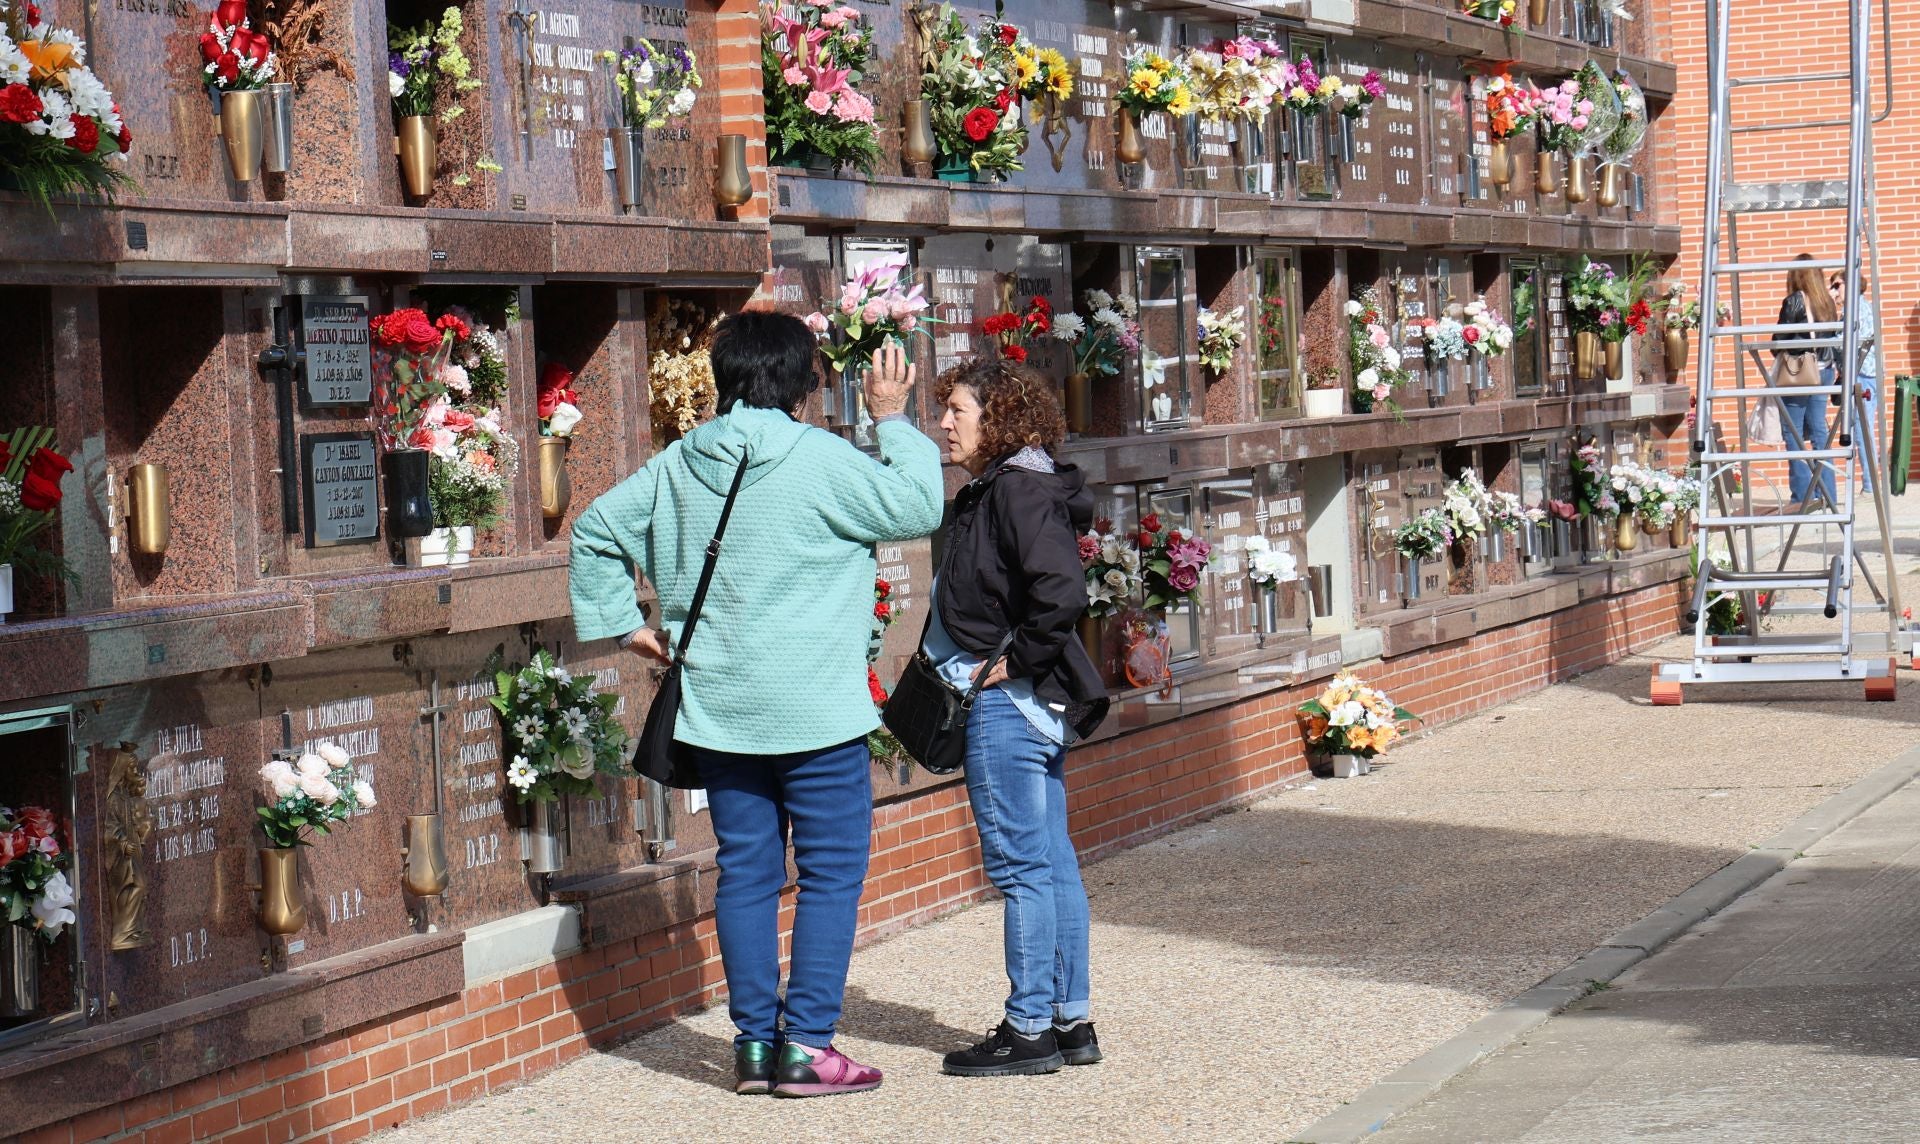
(419, 58)
(59, 125)
(882, 744)
(810, 63)
(1222, 333)
(233, 55)
(560, 730)
(1170, 564)
(30, 475)
(1155, 83)
(973, 92)
(680, 368)
(1013, 329)
(33, 886)
(1592, 491)
(1103, 338)
(654, 85)
(1501, 12)
(1561, 115)
(310, 794)
(1377, 368)
(1111, 562)
(1352, 717)
(879, 302)
(557, 403)
(1270, 565)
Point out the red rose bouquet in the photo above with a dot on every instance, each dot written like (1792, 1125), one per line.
(972, 85)
(559, 407)
(411, 365)
(234, 57)
(1015, 328)
(881, 743)
(1170, 564)
(30, 473)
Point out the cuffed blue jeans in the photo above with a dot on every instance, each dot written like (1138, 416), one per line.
(1016, 780)
(1808, 416)
(825, 799)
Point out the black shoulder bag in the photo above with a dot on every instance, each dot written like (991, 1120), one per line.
(929, 715)
(659, 757)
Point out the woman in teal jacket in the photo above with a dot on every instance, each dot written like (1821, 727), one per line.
(774, 685)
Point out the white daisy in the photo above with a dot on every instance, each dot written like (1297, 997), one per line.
(521, 774)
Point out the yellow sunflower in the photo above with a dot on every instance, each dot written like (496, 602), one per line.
(1144, 81)
(1025, 68)
(1060, 83)
(1052, 60)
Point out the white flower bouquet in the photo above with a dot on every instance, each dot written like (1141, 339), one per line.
(1221, 335)
(1269, 565)
(1112, 565)
(561, 731)
(311, 793)
(33, 890)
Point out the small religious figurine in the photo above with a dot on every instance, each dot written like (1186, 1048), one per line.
(129, 824)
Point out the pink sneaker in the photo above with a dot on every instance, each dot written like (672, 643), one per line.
(820, 1072)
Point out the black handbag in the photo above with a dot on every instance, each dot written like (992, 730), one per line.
(929, 715)
(659, 756)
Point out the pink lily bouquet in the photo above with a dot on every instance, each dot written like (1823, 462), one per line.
(810, 63)
(877, 303)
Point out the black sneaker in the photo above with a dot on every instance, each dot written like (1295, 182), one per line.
(753, 1068)
(1007, 1053)
(1079, 1044)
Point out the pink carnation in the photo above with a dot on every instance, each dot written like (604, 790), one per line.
(1379, 337)
(819, 102)
(832, 20)
(1382, 391)
(850, 14)
(852, 107)
(908, 323)
(817, 322)
(795, 77)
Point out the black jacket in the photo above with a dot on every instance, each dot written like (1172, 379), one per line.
(1012, 561)
(1793, 312)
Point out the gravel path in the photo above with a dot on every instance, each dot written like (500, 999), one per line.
(1253, 972)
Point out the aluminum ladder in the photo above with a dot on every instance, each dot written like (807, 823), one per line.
(1769, 581)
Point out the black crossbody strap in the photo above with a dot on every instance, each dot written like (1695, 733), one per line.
(986, 669)
(713, 557)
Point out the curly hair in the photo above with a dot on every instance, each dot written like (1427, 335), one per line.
(1018, 407)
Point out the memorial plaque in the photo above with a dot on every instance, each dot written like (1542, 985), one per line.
(1423, 483)
(1407, 287)
(337, 355)
(1359, 145)
(1401, 116)
(1378, 509)
(340, 480)
(1448, 181)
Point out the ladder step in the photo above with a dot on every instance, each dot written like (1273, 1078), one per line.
(1784, 328)
(1765, 80)
(1723, 651)
(1782, 518)
(1782, 583)
(1772, 267)
(1822, 194)
(1730, 392)
(1780, 455)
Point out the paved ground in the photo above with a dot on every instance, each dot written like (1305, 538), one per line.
(1253, 973)
(1789, 1017)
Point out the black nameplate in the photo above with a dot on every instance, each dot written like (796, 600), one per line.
(340, 477)
(336, 351)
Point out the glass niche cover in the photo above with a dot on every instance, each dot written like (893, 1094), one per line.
(1166, 321)
(846, 405)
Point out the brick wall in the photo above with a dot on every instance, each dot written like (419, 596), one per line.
(1819, 44)
(925, 864)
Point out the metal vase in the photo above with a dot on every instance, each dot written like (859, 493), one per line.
(1089, 628)
(1586, 354)
(283, 908)
(1577, 179)
(1610, 177)
(6, 591)
(1127, 146)
(1625, 537)
(1537, 14)
(1269, 610)
(917, 144)
(1613, 356)
(556, 490)
(629, 164)
(426, 853)
(732, 183)
(1079, 402)
(279, 148)
(20, 962)
(149, 509)
(409, 508)
(543, 838)
(1678, 533)
(1546, 178)
(419, 155)
(1676, 350)
(243, 130)
(1499, 164)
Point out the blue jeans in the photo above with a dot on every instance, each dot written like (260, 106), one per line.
(825, 798)
(1808, 417)
(1016, 780)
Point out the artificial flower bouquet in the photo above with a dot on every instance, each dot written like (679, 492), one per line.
(1240, 77)
(30, 475)
(1377, 367)
(1044, 74)
(1111, 562)
(680, 368)
(418, 58)
(234, 56)
(1562, 116)
(1484, 331)
(1170, 564)
(411, 356)
(1102, 339)
(557, 403)
(810, 62)
(1221, 335)
(1598, 100)
(655, 86)
(1676, 313)
(1309, 92)
(1511, 108)
(1501, 12)
(1352, 717)
(1592, 490)
(1654, 496)
(471, 464)
(1155, 83)
(879, 302)
(310, 794)
(1600, 301)
(973, 91)
(33, 886)
(882, 744)
(1270, 565)
(59, 125)
(1013, 329)
(1425, 536)
(1630, 134)
(560, 730)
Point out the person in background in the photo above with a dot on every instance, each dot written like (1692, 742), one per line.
(1010, 570)
(1865, 376)
(1807, 301)
(774, 690)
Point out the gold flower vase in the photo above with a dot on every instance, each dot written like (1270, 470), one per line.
(1586, 355)
(1127, 146)
(1577, 179)
(419, 155)
(1499, 164)
(1537, 14)
(1625, 537)
(1079, 402)
(1676, 347)
(243, 130)
(1678, 534)
(556, 489)
(1546, 177)
(1611, 177)
(1613, 357)
(283, 909)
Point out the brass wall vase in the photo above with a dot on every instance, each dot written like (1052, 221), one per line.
(917, 144)
(1499, 164)
(1127, 146)
(243, 130)
(556, 489)
(1546, 178)
(1625, 537)
(1577, 179)
(732, 182)
(1537, 14)
(1610, 179)
(419, 155)
(426, 873)
(149, 509)
(283, 909)
(1676, 347)
(1079, 402)
(1586, 354)
(1613, 358)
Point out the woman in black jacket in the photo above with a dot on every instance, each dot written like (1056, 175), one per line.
(1807, 301)
(1010, 575)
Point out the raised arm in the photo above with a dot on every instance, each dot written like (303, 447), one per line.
(899, 496)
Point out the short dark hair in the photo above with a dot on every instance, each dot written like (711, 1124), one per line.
(1019, 407)
(765, 359)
